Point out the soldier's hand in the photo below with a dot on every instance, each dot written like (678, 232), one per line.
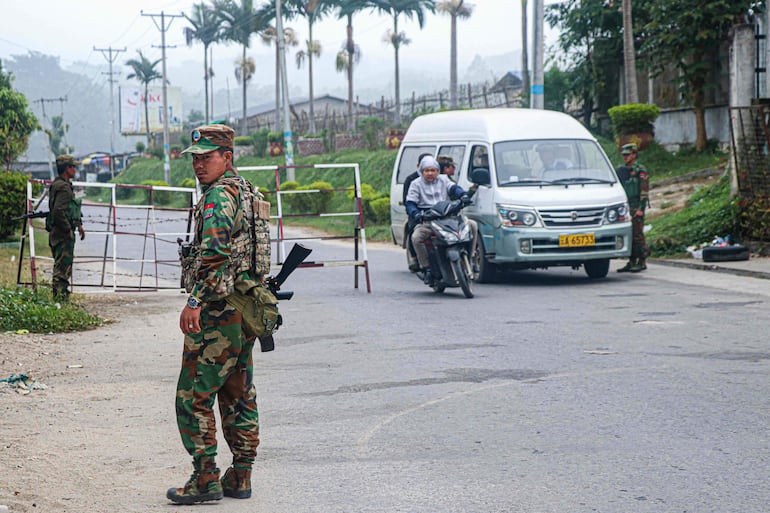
(190, 320)
(82, 232)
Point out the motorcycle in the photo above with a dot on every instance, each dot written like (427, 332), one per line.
(450, 247)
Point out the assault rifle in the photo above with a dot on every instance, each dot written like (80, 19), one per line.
(31, 215)
(293, 260)
(296, 256)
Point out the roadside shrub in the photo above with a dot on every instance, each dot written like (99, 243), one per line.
(162, 198)
(371, 127)
(37, 312)
(259, 140)
(380, 210)
(12, 201)
(633, 118)
(188, 182)
(318, 202)
(140, 147)
(242, 140)
(369, 195)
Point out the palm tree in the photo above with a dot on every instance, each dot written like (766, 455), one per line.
(455, 9)
(350, 53)
(206, 28)
(409, 8)
(629, 55)
(144, 72)
(239, 22)
(269, 37)
(312, 10)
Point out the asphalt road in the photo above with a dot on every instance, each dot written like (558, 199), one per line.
(545, 393)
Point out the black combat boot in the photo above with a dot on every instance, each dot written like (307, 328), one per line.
(627, 268)
(202, 486)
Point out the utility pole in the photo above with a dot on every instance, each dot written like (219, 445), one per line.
(111, 54)
(288, 142)
(537, 89)
(163, 29)
(42, 102)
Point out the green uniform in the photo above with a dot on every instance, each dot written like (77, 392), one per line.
(217, 361)
(637, 187)
(61, 238)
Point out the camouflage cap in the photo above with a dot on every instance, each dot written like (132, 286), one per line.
(628, 149)
(211, 137)
(445, 160)
(66, 160)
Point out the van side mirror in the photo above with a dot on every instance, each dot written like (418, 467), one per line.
(480, 176)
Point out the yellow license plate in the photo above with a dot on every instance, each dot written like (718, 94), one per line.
(577, 240)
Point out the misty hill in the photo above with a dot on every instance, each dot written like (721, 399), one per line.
(81, 93)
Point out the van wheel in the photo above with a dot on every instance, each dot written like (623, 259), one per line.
(596, 269)
(487, 270)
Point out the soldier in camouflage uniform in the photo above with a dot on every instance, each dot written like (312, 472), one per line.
(637, 186)
(62, 221)
(217, 356)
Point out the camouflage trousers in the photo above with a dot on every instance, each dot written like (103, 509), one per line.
(639, 247)
(63, 255)
(217, 366)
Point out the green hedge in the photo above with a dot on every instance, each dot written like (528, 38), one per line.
(12, 201)
(633, 118)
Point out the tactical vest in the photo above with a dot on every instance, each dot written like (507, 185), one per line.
(74, 213)
(249, 244)
(633, 187)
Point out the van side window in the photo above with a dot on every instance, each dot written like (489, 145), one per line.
(479, 158)
(456, 151)
(408, 163)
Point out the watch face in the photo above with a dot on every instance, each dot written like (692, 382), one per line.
(193, 303)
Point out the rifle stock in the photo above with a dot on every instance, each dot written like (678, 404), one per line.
(296, 256)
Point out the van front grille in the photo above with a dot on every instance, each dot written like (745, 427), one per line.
(572, 218)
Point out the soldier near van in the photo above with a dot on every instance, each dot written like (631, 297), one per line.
(637, 186)
(223, 271)
(63, 219)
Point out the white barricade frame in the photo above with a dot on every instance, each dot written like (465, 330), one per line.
(114, 234)
(360, 257)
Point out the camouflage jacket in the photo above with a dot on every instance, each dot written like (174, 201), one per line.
(637, 187)
(62, 223)
(231, 248)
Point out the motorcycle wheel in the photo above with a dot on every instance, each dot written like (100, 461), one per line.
(462, 269)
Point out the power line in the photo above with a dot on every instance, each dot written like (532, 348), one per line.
(42, 102)
(111, 54)
(163, 27)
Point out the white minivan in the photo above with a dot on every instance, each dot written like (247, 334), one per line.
(548, 194)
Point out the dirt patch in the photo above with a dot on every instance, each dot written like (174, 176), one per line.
(671, 195)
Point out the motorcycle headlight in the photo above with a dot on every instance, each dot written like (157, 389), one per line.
(449, 237)
(519, 217)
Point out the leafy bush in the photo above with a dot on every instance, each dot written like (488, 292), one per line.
(140, 147)
(158, 197)
(259, 140)
(37, 312)
(317, 202)
(380, 210)
(633, 118)
(275, 137)
(190, 183)
(371, 127)
(12, 201)
(243, 140)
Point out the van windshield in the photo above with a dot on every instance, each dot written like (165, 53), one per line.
(551, 162)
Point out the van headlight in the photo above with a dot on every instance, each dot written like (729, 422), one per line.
(616, 213)
(517, 216)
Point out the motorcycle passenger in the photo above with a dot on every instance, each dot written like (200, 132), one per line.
(424, 192)
(410, 254)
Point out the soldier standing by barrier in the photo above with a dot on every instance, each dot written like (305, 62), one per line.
(63, 218)
(637, 185)
(223, 270)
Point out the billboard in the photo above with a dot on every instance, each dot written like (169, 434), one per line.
(132, 115)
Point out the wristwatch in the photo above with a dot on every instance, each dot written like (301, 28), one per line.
(193, 302)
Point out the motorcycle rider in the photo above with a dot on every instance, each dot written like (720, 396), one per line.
(424, 192)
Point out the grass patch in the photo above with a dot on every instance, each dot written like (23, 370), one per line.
(709, 212)
(37, 312)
